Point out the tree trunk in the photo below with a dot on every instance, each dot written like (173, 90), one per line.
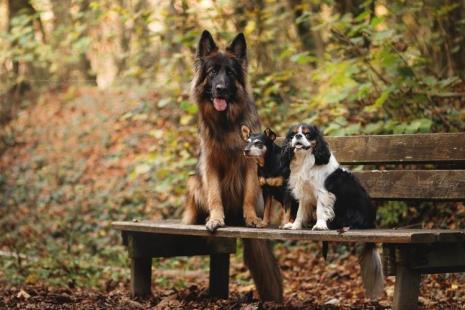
(355, 8)
(60, 9)
(240, 18)
(143, 11)
(310, 40)
(455, 42)
(349, 6)
(20, 70)
(17, 8)
(84, 65)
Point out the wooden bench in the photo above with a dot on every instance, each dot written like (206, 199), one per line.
(423, 167)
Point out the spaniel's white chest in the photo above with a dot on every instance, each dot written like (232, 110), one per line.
(302, 188)
(306, 179)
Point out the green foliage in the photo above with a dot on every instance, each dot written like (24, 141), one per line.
(391, 214)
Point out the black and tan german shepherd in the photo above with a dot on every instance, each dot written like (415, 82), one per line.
(225, 189)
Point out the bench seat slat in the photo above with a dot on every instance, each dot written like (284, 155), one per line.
(439, 185)
(371, 235)
(405, 148)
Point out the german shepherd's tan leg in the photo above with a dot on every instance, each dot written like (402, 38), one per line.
(268, 214)
(251, 192)
(214, 203)
(194, 201)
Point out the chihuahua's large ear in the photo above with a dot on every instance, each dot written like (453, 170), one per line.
(270, 134)
(321, 149)
(206, 45)
(245, 132)
(238, 48)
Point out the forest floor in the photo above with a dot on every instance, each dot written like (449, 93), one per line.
(91, 157)
(309, 282)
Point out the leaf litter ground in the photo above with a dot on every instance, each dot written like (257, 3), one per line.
(90, 143)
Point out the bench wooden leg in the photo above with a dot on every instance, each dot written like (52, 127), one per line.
(219, 275)
(407, 288)
(141, 276)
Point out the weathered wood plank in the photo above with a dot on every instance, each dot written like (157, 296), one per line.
(406, 148)
(371, 235)
(439, 185)
(141, 276)
(142, 244)
(407, 286)
(219, 275)
(436, 258)
(425, 258)
(407, 289)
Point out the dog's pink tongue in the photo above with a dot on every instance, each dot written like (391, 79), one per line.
(220, 104)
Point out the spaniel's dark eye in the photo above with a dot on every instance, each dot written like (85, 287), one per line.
(307, 135)
(229, 71)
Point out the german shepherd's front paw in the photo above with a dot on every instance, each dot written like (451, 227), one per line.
(253, 221)
(214, 223)
(263, 224)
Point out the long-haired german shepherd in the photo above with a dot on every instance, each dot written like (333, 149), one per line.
(225, 189)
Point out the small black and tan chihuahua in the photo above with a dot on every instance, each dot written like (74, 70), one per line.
(272, 176)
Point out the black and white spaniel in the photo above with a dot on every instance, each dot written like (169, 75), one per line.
(317, 180)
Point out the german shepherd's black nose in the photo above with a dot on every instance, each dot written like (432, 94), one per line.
(220, 88)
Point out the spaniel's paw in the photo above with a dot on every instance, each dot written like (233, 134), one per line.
(261, 181)
(287, 226)
(294, 226)
(214, 223)
(320, 225)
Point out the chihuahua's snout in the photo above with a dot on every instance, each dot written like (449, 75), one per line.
(247, 151)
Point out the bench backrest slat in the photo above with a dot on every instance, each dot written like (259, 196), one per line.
(446, 149)
(409, 148)
(438, 185)
(418, 148)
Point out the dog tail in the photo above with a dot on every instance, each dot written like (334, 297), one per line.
(372, 271)
(259, 258)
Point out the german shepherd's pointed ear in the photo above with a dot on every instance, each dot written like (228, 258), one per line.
(245, 132)
(270, 134)
(238, 48)
(206, 45)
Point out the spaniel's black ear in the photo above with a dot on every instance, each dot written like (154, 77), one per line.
(206, 45)
(286, 156)
(321, 150)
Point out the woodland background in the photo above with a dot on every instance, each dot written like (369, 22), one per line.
(96, 125)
